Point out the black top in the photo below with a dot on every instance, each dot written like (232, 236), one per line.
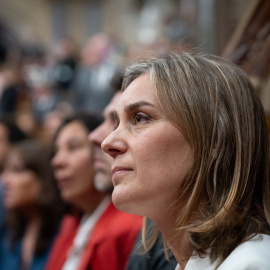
(154, 260)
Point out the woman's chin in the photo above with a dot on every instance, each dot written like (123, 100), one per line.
(123, 201)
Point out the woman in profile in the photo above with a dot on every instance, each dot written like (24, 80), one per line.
(34, 208)
(191, 152)
(94, 235)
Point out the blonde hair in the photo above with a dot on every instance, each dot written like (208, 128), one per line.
(217, 108)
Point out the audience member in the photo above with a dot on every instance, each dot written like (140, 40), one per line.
(33, 208)
(65, 64)
(190, 151)
(8, 91)
(10, 133)
(155, 259)
(96, 235)
(91, 89)
(43, 98)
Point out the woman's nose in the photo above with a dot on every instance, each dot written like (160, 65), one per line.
(114, 145)
(57, 160)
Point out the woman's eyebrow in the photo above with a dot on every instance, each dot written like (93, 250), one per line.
(133, 106)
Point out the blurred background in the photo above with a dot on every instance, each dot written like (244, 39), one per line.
(47, 48)
(59, 57)
(210, 22)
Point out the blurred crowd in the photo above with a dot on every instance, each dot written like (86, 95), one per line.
(41, 87)
(50, 204)
(38, 87)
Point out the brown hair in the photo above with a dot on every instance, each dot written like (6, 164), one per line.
(49, 206)
(217, 108)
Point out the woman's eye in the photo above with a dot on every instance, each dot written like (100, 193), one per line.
(140, 117)
(74, 146)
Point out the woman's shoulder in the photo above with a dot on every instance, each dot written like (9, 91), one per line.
(252, 254)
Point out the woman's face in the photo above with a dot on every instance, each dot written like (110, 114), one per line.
(151, 156)
(73, 163)
(21, 185)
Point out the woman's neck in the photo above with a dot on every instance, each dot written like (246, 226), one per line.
(179, 247)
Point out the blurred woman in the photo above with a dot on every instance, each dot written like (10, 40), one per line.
(95, 233)
(34, 208)
(191, 152)
(10, 134)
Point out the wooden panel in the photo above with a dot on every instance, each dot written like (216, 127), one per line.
(250, 45)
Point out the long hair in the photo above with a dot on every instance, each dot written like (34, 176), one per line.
(49, 205)
(217, 108)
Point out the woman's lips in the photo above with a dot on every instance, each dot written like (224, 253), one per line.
(118, 171)
(62, 182)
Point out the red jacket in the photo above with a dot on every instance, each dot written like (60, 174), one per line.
(109, 246)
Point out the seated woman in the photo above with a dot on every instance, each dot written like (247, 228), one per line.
(34, 208)
(95, 233)
(10, 134)
(191, 152)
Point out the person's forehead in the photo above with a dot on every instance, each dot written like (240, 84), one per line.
(139, 89)
(72, 130)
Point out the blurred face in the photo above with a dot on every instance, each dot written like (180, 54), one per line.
(95, 50)
(73, 164)
(103, 161)
(21, 186)
(151, 156)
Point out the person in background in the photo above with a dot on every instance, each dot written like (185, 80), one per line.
(91, 88)
(63, 66)
(95, 235)
(103, 161)
(155, 259)
(43, 97)
(190, 151)
(34, 207)
(8, 91)
(10, 134)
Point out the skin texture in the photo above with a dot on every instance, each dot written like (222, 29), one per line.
(102, 161)
(73, 167)
(21, 186)
(151, 156)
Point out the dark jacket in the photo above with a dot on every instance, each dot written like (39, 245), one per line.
(154, 260)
